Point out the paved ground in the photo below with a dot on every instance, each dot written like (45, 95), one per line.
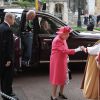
(34, 85)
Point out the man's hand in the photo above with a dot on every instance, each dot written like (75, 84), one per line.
(8, 63)
(83, 49)
(98, 58)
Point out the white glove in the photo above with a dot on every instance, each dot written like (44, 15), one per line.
(78, 49)
(68, 59)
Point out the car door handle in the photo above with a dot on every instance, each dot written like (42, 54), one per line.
(46, 40)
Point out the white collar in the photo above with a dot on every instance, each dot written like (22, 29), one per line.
(7, 23)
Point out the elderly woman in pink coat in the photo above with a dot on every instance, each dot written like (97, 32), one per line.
(58, 61)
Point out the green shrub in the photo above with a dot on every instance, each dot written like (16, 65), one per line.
(79, 29)
(24, 4)
(97, 28)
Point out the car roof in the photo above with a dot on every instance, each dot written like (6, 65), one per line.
(18, 10)
(90, 33)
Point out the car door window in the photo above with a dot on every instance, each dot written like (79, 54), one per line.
(45, 27)
(51, 24)
(16, 27)
(1, 17)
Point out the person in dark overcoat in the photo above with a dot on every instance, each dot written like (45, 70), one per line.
(27, 34)
(7, 55)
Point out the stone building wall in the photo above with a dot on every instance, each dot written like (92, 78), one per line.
(97, 7)
(51, 8)
(1, 2)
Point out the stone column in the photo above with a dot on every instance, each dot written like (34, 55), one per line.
(91, 6)
(97, 8)
(65, 13)
(51, 7)
(1, 3)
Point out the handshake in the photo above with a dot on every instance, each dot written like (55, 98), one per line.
(81, 48)
(84, 49)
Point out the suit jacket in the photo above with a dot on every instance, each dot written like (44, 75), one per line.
(6, 43)
(23, 21)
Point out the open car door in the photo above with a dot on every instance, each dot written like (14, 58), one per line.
(46, 36)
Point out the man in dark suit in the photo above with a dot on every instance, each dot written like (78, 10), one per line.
(6, 55)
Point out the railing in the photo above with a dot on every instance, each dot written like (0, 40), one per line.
(6, 96)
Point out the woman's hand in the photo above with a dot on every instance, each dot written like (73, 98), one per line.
(78, 49)
(67, 59)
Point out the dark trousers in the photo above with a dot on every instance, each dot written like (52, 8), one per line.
(6, 80)
(27, 40)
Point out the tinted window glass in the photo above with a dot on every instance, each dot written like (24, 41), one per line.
(16, 26)
(53, 24)
(1, 17)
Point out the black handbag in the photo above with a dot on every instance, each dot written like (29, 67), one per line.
(69, 74)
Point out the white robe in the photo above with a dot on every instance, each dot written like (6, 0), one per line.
(91, 80)
(94, 50)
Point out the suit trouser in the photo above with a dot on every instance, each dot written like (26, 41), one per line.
(27, 45)
(6, 80)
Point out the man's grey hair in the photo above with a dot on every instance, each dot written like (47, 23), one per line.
(31, 12)
(40, 1)
(9, 15)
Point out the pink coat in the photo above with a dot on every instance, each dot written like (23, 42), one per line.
(58, 61)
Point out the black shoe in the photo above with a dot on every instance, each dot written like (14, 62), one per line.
(53, 99)
(62, 96)
(26, 63)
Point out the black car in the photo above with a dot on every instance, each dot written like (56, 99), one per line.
(41, 47)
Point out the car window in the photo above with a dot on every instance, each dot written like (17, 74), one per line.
(1, 17)
(45, 26)
(53, 25)
(15, 28)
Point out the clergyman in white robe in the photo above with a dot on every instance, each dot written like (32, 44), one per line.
(90, 84)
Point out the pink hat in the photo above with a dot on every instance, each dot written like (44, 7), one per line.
(64, 29)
